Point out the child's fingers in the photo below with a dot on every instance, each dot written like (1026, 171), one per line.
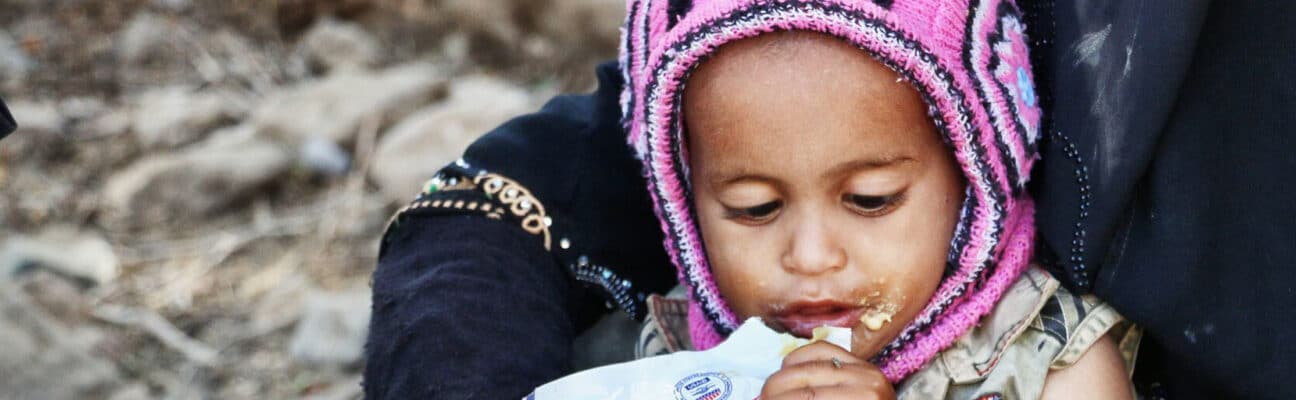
(819, 351)
(811, 374)
(806, 374)
(828, 393)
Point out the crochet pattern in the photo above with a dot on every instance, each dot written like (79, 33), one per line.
(969, 62)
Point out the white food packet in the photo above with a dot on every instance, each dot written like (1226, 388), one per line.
(736, 369)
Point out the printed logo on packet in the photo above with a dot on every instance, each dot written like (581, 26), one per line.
(704, 386)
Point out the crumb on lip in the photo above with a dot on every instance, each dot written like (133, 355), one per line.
(790, 343)
(874, 320)
(879, 311)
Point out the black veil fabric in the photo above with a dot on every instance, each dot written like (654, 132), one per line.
(1110, 72)
(7, 123)
(1165, 183)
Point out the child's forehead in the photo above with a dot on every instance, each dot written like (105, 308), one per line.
(784, 46)
(786, 60)
(816, 104)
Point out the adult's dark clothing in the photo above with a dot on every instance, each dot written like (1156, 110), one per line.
(7, 124)
(474, 306)
(1165, 186)
(1161, 189)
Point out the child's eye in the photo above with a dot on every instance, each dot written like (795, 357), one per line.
(871, 206)
(758, 213)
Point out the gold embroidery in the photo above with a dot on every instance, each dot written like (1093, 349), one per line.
(514, 198)
(519, 201)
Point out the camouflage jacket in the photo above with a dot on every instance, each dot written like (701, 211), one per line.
(1036, 328)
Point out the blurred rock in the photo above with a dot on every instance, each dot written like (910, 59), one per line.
(194, 182)
(457, 47)
(413, 150)
(67, 300)
(295, 16)
(280, 304)
(134, 391)
(174, 5)
(500, 31)
(175, 115)
(146, 38)
(65, 250)
(109, 123)
(497, 21)
(15, 64)
(333, 328)
(335, 106)
(43, 359)
(81, 107)
(582, 24)
(343, 389)
(323, 156)
(333, 45)
(36, 116)
(236, 59)
(89, 117)
(236, 135)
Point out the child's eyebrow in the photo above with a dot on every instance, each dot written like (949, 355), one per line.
(723, 180)
(838, 170)
(866, 164)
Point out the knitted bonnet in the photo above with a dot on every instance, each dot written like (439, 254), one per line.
(967, 58)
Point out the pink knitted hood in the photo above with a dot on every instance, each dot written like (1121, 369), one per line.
(967, 58)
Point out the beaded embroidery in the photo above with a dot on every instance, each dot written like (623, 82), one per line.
(520, 202)
(502, 194)
(460, 189)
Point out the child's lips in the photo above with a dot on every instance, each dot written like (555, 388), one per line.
(800, 318)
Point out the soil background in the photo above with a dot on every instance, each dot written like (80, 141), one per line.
(192, 204)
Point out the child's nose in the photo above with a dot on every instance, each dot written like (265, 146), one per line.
(814, 250)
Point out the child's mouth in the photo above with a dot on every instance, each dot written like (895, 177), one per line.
(800, 318)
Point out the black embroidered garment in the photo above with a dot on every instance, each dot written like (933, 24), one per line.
(566, 176)
(1165, 181)
(541, 228)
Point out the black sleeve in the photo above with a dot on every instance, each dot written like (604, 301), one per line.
(465, 308)
(7, 124)
(483, 281)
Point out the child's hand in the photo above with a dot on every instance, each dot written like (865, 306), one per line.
(810, 373)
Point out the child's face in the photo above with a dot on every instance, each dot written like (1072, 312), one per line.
(823, 192)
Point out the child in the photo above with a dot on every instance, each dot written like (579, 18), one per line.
(858, 164)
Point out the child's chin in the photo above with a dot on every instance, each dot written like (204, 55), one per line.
(866, 343)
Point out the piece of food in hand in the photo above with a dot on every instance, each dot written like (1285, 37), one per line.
(735, 369)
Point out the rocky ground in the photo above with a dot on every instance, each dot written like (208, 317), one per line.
(192, 204)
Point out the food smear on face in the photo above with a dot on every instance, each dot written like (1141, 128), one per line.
(879, 311)
(874, 320)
